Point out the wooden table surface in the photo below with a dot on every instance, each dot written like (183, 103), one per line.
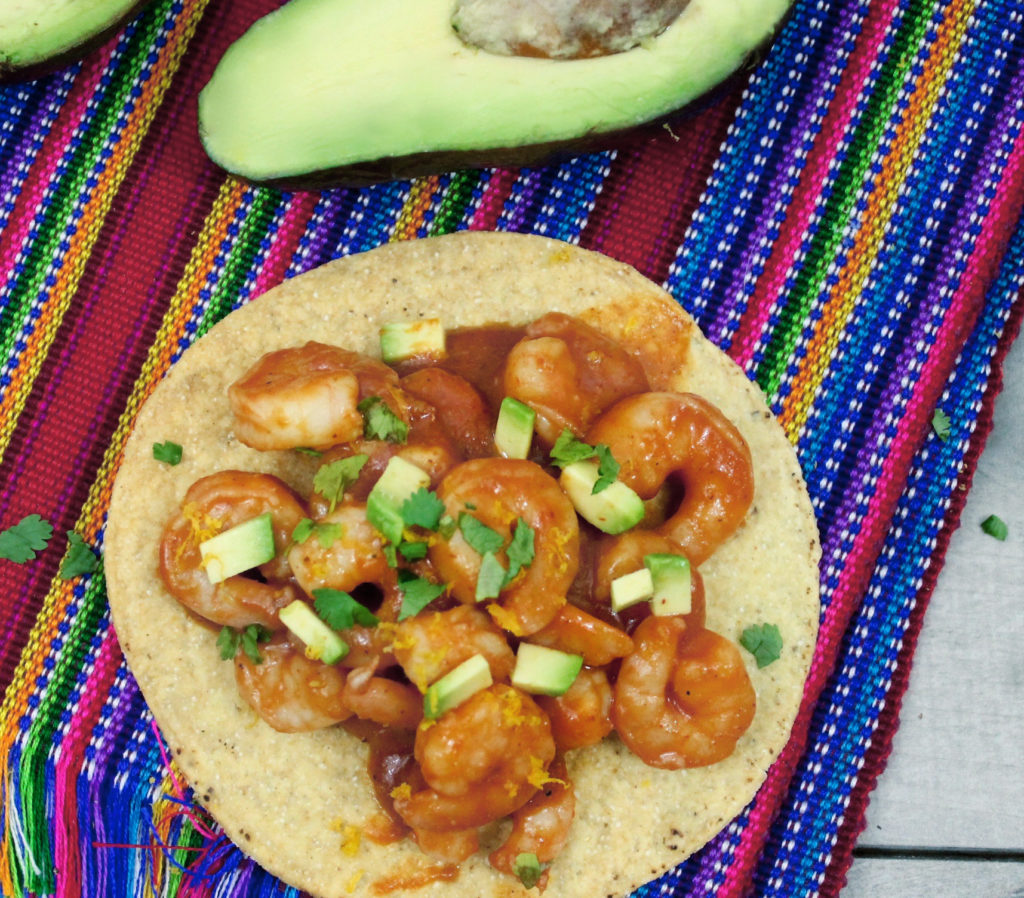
(947, 816)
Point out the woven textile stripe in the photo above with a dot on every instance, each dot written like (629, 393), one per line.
(834, 222)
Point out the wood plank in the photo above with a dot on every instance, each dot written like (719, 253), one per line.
(909, 878)
(956, 774)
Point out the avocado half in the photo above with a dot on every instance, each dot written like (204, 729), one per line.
(324, 92)
(39, 36)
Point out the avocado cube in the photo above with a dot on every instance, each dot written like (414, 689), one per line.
(545, 671)
(397, 483)
(672, 583)
(613, 510)
(321, 641)
(238, 549)
(412, 339)
(456, 686)
(631, 589)
(513, 433)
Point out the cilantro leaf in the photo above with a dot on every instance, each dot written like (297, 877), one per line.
(607, 468)
(528, 868)
(303, 530)
(335, 477)
(380, 423)
(995, 527)
(327, 532)
(423, 509)
(480, 537)
(940, 424)
(80, 558)
(413, 550)
(492, 577)
(340, 611)
(520, 551)
(250, 640)
(21, 542)
(306, 450)
(167, 452)
(227, 642)
(417, 593)
(764, 642)
(568, 449)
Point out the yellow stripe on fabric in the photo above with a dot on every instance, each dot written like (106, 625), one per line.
(879, 209)
(60, 596)
(413, 214)
(93, 216)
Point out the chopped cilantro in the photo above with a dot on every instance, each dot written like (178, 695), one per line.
(492, 577)
(79, 560)
(447, 526)
(335, 477)
(995, 527)
(20, 542)
(569, 449)
(520, 550)
(607, 468)
(167, 452)
(380, 423)
(940, 424)
(303, 530)
(480, 537)
(423, 509)
(339, 610)
(326, 532)
(229, 641)
(417, 593)
(412, 550)
(764, 642)
(306, 450)
(528, 868)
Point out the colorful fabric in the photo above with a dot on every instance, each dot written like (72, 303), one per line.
(844, 218)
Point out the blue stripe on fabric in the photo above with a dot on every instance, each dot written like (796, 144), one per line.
(562, 209)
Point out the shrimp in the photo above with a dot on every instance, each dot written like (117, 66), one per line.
(428, 646)
(480, 761)
(216, 503)
(497, 492)
(307, 396)
(460, 410)
(568, 372)
(582, 714)
(683, 698)
(384, 701)
(541, 826)
(452, 847)
(578, 633)
(660, 435)
(291, 692)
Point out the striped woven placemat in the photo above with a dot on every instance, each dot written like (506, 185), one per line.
(843, 218)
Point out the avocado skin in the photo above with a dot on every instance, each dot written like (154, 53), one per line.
(62, 57)
(380, 168)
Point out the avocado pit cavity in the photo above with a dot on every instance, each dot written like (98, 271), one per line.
(562, 29)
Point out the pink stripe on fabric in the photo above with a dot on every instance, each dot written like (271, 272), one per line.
(293, 225)
(492, 202)
(858, 567)
(795, 225)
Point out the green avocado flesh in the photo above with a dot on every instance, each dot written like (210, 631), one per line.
(36, 35)
(352, 91)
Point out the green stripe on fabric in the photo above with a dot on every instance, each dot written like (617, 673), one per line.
(849, 181)
(42, 734)
(58, 209)
(456, 200)
(265, 205)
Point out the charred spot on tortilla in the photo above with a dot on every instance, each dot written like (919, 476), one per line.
(470, 282)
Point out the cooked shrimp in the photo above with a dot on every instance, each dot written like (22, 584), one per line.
(568, 372)
(459, 408)
(683, 698)
(307, 396)
(481, 761)
(384, 701)
(541, 826)
(498, 492)
(578, 633)
(291, 692)
(216, 503)
(658, 436)
(581, 715)
(452, 847)
(429, 645)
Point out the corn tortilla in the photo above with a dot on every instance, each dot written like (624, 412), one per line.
(297, 802)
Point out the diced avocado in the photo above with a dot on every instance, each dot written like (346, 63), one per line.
(514, 431)
(613, 510)
(246, 546)
(456, 686)
(321, 641)
(397, 483)
(544, 671)
(672, 587)
(412, 339)
(631, 589)
(333, 91)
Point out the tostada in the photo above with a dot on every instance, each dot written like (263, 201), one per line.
(482, 572)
